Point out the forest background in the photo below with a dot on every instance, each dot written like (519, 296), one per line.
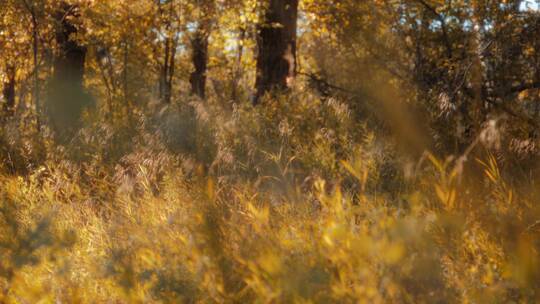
(276, 151)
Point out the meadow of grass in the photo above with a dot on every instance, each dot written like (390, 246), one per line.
(292, 202)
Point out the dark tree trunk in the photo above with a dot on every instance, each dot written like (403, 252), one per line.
(163, 83)
(69, 64)
(9, 90)
(67, 98)
(199, 58)
(276, 58)
(170, 45)
(167, 70)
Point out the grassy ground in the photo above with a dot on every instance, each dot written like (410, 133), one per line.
(294, 202)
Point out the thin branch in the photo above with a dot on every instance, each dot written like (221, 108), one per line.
(318, 79)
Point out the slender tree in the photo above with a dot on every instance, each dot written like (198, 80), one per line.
(199, 43)
(199, 59)
(169, 32)
(237, 68)
(8, 91)
(31, 8)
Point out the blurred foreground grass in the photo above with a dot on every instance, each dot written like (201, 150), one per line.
(294, 202)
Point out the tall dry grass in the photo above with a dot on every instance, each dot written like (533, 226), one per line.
(293, 202)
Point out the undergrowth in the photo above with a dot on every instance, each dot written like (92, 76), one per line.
(289, 202)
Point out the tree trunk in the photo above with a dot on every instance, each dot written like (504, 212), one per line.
(163, 85)
(35, 50)
(167, 70)
(9, 90)
(69, 63)
(199, 58)
(170, 45)
(276, 58)
(237, 69)
(67, 98)
(125, 74)
(473, 111)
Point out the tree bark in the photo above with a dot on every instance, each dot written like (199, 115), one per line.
(167, 70)
(199, 59)
(67, 98)
(170, 45)
(125, 74)
(276, 58)
(237, 69)
(35, 50)
(69, 63)
(9, 90)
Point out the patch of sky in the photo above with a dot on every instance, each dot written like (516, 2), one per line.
(530, 5)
